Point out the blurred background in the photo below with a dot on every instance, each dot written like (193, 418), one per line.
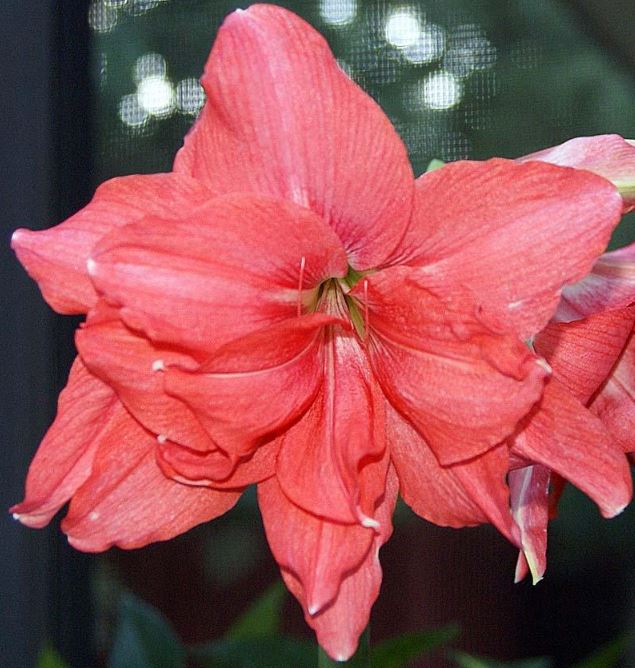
(96, 89)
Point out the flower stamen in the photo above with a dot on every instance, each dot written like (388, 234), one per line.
(300, 282)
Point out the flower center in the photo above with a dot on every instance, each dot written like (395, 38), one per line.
(333, 298)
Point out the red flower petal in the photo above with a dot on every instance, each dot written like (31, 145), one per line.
(331, 461)
(564, 436)
(492, 228)
(461, 386)
(282, 119)
(582, 353)
(134, 368)
(615, 402)
(529, 488)
(256, 385)
(234, 266)
(610, 285)
(610, 156)
(339, 624)
(127, 501)
(56, 258)
(64, 459)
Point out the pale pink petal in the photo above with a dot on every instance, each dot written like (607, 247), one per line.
(510, 234)
(529, 492)
(610, 156)
(85, 410)
(610, 285)
(461, 386)
(234, 266)
(339, 624)
(582, 353)
(332, 462)
(56, 258)
(563, 435)
(282, 119)
(128, 502)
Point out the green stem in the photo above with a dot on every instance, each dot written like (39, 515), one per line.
(361, 659)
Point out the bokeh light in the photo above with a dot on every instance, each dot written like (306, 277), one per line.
(101, 16)
(428, 47)
(149, 65)
(403, 28)
(338, 12)
(441, 90)
(156, 96)
(190, 96)
(131, 112)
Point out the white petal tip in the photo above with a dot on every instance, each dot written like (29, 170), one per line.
(91, 266)
(313, 609)
(162, 438)
(370, 523)
(158, 365)
(16, 516)
(542, 363)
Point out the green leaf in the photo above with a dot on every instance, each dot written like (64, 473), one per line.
(144, 638)
(49, 658)
(397, 652)
(610, 654)
(262, 618)
(273, 652)
(434, 164)
(464, 660)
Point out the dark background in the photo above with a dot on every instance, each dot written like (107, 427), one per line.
(549, 70)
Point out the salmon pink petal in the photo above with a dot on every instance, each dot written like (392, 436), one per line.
(134, 368)
(56, 258)
(234, 266)
(283, 120)
(255, 385)
(333, 461)
(339, 623)
(610, 285)
(610, 156)
(461, 386)
(563, 435)
(529, 491)
(489, 227)
(64, 459)
(582, 353)
(615, 402)
(128, 502)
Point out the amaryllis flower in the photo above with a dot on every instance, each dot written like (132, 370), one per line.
(587, 413)
(289, 307)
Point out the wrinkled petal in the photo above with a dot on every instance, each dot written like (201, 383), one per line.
(615, 402)
(331, 462)
(461, 386)
(529, 492)
(564, 436)
(582, 353)
(610, 285)
(56, 258)
(134, 368)
(64, 459)
(234, 266)
(338, 624)
(255, 385)
(282, 119)
(491, 228)
(610, 156)
(128, 502)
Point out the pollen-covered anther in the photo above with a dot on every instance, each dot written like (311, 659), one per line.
(158, 365)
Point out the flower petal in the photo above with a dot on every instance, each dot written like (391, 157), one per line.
(564, 436)
(615, 402)
(339, 624)
(255, 385)
(582, 353)
(332, 462)
(128, 502)
(282, 119)
(234, 266)
(134, 368)
(64, 459)
(491, 228)
(610, 156)
(529, 491)
(610, 285)
(461, 386)
(56, 258)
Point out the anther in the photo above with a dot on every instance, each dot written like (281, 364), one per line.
(366, 317)
(158, 365)
(300, 282)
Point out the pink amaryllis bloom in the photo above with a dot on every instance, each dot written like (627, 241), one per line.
(289, 307)
(587, 412)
